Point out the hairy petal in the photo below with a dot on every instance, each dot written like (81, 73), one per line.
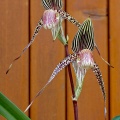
(58, 68)
(84, 39)
(98, 75)
(38, 27)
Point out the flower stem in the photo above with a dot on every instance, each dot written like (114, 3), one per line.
(64, 41)
(72, 86)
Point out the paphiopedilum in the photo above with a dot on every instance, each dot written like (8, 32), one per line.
(51, 19)
(82, 60)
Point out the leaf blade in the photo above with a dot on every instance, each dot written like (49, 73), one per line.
(9, 110)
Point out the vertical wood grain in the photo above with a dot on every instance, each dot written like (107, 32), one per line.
(90, 102)
(13, 38)
(44, 56)
(114, 58)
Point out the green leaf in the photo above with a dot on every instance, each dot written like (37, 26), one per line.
(9, 110)
(116, 118)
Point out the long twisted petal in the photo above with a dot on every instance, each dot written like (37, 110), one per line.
(38, 27)
(84, 39)
(67, 16)
(98, 75)
(58, 68)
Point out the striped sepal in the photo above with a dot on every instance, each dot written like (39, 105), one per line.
(58, 4)
(58, 68)
(38, 27)
(84, 39)
(52, 4)
(47, 4)
(67, 16)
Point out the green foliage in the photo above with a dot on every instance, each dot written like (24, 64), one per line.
(9, 110)
(116, 118)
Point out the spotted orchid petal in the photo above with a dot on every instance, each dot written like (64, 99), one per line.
(38, 27)
(68, 17)
(58, 68)
(98, 75)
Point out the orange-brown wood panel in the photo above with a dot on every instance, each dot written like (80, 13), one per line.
(44, 56)
(90, 102)
(114, 58)
(13, 38)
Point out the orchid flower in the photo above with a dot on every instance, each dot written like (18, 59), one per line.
(82, 60)
(51, 19)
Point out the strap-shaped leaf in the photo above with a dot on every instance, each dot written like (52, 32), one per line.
(38, 27)
(84, 39)
(9, 110)
(98, 75)
(116, 118)
(58, 68)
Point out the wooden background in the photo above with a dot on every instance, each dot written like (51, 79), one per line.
(18, 19)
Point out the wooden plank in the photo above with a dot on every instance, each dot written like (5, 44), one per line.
(13, 38)
(45, 55)
(90, 103)
(114, 58)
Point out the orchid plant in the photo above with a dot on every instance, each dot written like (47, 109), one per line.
(81, 59)
(83, 45)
